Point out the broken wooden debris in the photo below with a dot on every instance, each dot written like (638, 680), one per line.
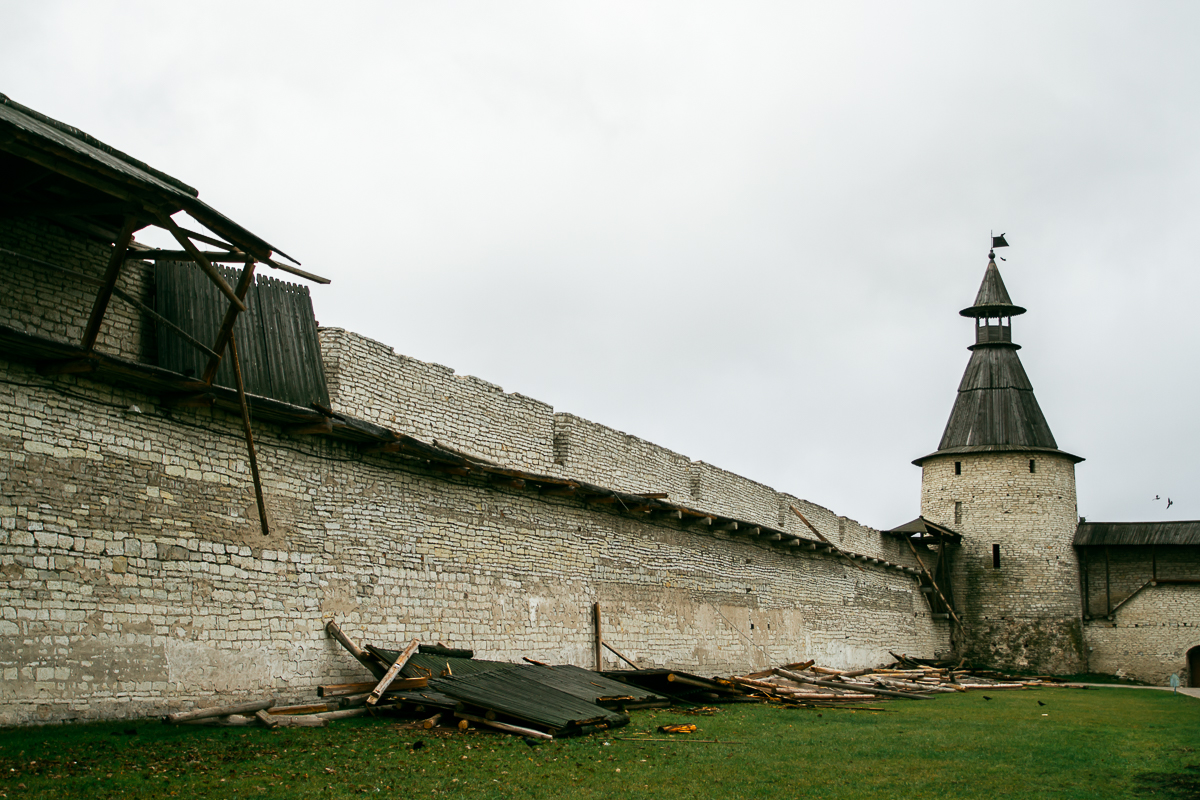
(543, 701)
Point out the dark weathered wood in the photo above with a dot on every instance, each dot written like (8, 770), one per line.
(218, 711)
(308, 708)
(365, 687)
(245, 281)
(392, 673)
(111, 274)
(599, 637)
(187, 244)
(258, 492)
(933, 583)
(618, 654)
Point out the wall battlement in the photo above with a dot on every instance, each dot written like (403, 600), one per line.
(370, 380)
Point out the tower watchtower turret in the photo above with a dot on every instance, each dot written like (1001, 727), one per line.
(999, 479)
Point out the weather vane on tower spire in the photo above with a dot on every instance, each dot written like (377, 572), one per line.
(997, 241)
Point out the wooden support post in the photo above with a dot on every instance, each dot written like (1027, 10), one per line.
(1107, 585)
(115, 261)
(599, 637)
(617, 653)
(199, 258)
(392, 672)
(366, 659)
(258, 492)
(226, 331)
(821, 536)
(933, 583)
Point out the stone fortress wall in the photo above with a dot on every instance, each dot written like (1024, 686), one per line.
(135, 580)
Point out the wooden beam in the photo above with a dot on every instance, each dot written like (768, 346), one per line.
(392, 672)
(204, 263)
(599, 637)
(821, 536)
(617, 653)
(241, 390)
(559, 491)
(933, 583)
(726, 526)
(70, 366)
(182, 255)
(366, 659)
(324, 426)
(703, 521)
(111, 273)
(245, 280)
(188, 400)
(602, 499)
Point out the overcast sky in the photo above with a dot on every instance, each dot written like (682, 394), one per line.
(740, 230)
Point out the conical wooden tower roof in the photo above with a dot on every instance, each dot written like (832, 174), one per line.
(995, 410)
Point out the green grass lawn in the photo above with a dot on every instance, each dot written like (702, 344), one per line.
(1099, 743)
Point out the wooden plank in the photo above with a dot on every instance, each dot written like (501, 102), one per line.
(111, 274)
(846, 686)
(821, 536)
(503, 726)
(187, 244)
(231, 315)
(392, 672)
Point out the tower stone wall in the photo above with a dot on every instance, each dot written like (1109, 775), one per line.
(1025, 613)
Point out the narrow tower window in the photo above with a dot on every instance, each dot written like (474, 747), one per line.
(1032, 464)
(995, 556)
(958, 468)
(957, 513)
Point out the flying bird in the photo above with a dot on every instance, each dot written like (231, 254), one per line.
(1156, 497)
(1170, 502)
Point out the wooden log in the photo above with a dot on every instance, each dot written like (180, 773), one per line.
(241, 390)
(699, 683)
(832, 685)
(392, 672)
(617, 653)
(366, 659)
(432, 722)
(827, 670)
(272, 721)
(232, 721)
(311, 708)
(344, 689)
(599, 637)
(218, 711)
(502, 726)
(345, 713)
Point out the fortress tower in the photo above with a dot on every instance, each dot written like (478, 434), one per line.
(999, 479)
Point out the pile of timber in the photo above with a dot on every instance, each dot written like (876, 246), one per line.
(438, 687)
(434, 686)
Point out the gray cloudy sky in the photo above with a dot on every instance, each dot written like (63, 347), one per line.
(740, 230)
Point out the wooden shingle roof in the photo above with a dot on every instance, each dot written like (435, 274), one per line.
(995, 409)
